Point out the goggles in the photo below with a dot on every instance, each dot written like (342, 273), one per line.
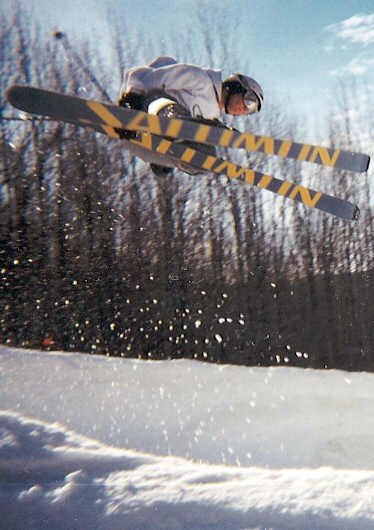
(251, 102)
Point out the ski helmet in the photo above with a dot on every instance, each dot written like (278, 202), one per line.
(253, 95)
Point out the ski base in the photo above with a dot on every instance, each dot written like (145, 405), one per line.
(154, 135)
(67, 108)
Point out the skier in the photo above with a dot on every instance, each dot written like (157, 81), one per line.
(172, 89)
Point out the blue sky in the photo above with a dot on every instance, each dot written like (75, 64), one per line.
(296, 49)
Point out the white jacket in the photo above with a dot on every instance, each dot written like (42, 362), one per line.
(196, 89)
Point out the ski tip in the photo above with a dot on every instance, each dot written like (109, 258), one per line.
(351, 161)
(360, 163)
(14, 95)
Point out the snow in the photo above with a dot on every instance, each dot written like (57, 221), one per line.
(93, 442)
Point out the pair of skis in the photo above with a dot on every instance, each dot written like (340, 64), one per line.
(166, 137)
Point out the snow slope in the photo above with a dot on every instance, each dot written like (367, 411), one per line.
(93, 442)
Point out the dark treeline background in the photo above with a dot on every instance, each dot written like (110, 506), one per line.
(98, 255)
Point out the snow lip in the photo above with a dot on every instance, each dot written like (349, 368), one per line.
(57, 479)
(95, 442)
(275, 417)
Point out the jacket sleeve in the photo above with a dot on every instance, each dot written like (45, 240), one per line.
(174, 77)
(190, 85)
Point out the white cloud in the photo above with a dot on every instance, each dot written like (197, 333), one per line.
(357, 66)
(329, 48)
(353, 36)
(358, 29)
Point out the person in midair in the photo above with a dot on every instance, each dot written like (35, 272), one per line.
(171, 89)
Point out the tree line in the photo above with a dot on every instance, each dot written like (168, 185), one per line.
(98, 255)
